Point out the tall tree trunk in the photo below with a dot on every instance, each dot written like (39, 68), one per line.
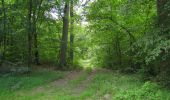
(4, 29)
(34, 31)
(36, 54)
(64, 40)
(118, 50)
(71, 33)
(120, 53)
(29, 33)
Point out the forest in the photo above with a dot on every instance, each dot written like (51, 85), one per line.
(84, 50)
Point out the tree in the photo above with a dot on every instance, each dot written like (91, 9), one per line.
(64, 40)
(71, 32)
(29, 33)
(36, 15)
(4, 29)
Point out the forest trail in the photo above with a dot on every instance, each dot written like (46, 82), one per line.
(75, 80)
(61, 83)
(87, 84)
(70, 76)
(74, 83)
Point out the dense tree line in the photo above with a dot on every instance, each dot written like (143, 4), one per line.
(32, 31)
(132, 35)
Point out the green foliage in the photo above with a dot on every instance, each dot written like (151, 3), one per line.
(149, 91)
(115, 27)
(125, 35)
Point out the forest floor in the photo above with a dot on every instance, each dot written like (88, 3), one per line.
(94, 84)
(72, 85)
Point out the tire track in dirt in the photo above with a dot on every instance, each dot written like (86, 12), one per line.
(84, 84)
(65, 81)
(58, 84)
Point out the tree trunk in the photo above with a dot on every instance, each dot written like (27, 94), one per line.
(36, 54)
(120, 53)
(34, 31)
(64, 40)
(29, 33)
(71, 34)
(118, 50)
(4, 29)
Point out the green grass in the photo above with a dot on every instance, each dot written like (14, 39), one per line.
(104, 85)
(109, 84)
(79, 79)
(10, 85)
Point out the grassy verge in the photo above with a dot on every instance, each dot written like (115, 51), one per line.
(11, 85)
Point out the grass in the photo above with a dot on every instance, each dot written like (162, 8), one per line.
(105, 85)
(79, 79)
(10, 85)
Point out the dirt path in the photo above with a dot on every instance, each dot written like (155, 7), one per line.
(75, 84)
(65, 83)
(84, 84)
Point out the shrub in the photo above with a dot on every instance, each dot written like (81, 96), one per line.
(149, 91)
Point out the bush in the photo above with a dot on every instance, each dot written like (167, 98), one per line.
(149, 91)
(163, 79)
(20, 70)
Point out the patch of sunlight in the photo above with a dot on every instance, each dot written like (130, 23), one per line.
(86, 64)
